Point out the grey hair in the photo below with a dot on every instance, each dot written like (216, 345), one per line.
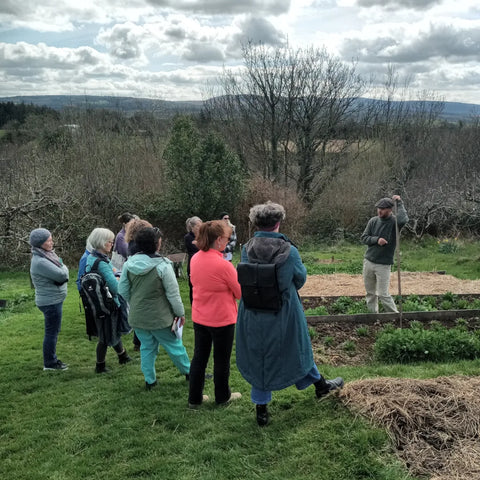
(191, 222)
(99, 237)
(266, 215)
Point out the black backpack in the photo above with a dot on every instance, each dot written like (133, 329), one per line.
(97, 300)
(260, 290)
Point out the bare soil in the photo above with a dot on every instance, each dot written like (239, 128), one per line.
(420, 283)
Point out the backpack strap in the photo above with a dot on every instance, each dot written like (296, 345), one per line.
(94, 267)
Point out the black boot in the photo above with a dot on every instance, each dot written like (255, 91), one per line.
(123, 358)
(101, 368)
(322, 386)
(262, 415)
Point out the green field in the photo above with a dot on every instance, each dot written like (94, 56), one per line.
(78, 425)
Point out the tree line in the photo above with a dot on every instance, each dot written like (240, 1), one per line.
(288, 126)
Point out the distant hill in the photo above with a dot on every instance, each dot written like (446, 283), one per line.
(127, 105)
(453, 111)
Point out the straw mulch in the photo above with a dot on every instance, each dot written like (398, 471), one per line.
(434, 424)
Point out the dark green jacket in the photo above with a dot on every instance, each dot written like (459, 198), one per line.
(383, 228)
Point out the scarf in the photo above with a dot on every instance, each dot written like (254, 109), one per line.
(49, 255)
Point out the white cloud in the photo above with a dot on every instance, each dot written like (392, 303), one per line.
(173, 47)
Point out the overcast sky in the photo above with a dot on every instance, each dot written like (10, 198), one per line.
(170, 49)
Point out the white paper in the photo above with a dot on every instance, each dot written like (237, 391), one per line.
(177, 329)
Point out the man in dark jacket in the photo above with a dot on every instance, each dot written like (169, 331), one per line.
(380, 237)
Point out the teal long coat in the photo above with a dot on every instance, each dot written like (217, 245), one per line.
(273, 350)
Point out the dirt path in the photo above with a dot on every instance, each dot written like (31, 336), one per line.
(420, 283)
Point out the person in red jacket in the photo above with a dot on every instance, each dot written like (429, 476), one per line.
(214, 312)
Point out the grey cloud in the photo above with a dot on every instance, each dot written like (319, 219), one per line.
(255, 30)
(394, 4)
(444, 41)
(202, 53)
(14, 56)
(122, 42)
(260, 30)
(224, 7)
(176, 33)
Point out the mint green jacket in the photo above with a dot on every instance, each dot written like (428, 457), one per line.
(149, 284)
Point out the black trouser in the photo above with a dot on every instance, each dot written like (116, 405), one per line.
(102, 350)
(222, 339)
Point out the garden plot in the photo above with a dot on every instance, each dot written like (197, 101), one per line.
(343, 334)
(419, 283)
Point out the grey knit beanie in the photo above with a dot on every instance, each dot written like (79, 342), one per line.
(39, 236)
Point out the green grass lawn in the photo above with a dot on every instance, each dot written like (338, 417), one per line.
(79, 425)
(426, 255)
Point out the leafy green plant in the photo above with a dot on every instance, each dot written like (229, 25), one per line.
(462, 304)
(363, 331)
(449, 296)
(438, 344)
(328, 341)
(447, 245)
(342, 304)
(350, 346)
(312, 332)
(446, 305)
(320, 310)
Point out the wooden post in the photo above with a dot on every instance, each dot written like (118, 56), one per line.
(397, 232)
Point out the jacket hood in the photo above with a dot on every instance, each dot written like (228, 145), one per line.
(268, 248)
(141, 264)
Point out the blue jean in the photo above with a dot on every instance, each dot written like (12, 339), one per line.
(222, 340)
(53, 323)
(150, 340)
(262, 397)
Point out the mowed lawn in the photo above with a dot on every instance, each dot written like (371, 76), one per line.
(79, 425)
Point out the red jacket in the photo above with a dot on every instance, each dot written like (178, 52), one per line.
(215, 288)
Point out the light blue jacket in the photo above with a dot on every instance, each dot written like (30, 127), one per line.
(274, 350)
(50, 281)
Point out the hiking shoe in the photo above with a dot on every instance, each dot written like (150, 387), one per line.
(123, 358)
(100, 367)
(262, 415)
(57, 366)
(323, 387)
(149, 386)
(194, 406)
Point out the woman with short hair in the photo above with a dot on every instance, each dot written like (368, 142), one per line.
(273, 348)
(101, 240)
(49, 276)
(149, 284)
(214, 313)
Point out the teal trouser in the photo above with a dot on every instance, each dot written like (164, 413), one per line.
(150, 340)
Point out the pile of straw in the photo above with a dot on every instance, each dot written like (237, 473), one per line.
(434, 424)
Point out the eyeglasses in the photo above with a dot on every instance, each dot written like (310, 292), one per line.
(110, 241)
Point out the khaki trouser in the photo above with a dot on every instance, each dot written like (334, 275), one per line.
(376, 278)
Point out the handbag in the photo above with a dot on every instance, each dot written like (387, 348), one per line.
(259, 285)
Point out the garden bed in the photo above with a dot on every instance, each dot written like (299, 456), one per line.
(419, 283)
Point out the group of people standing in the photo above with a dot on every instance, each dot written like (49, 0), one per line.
(273, 349)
